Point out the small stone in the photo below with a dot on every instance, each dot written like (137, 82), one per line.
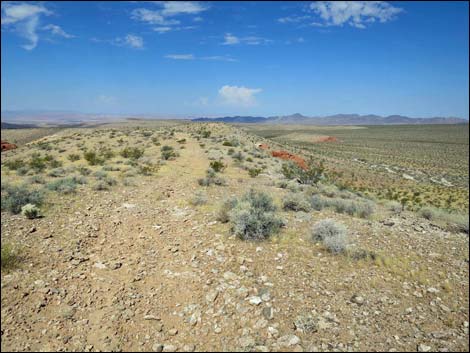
(424, 348)
(268, 313)
(255, 300)
(212, 295)
(173, 332)
(99, 265)
(169, 348)
(357, 299)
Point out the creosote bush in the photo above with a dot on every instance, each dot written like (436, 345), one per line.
(333, 235)
(217, 166)
(132, 152)
(168, 152)
(312, 175)
(254, 217)
(211, 178)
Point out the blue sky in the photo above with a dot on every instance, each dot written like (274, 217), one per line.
(243, 58)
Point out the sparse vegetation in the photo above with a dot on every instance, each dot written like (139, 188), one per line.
(15, 197)
(295, 202)
(254, 218)
(30, 211)
(333, 235)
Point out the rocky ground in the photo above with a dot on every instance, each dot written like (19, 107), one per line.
(138, 268)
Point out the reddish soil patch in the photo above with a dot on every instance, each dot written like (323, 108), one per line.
(291, 157)
(327, 139)
(7, 146)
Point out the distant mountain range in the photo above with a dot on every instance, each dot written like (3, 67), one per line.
(338, 119)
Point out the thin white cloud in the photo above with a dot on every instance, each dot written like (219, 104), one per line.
(58, 31)
(174, 8)
(238, 96)
(164, 15)
(180, 56)
(162, 29)
(193, 57)
(218, 58)
(230, 39)
(152, 17)
(24, 19)
(354, 13)
(293, 19)
(131, 41)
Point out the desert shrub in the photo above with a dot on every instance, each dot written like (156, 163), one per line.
(101, 186)
(37, 163)
(254, 218)
(14, 164)
(15, 197)
(249, 159)
(79, 179)
(36, 179)
(395, 207)
(333, 235)
(224, 210)
(211, 178)
(227, 143)
(9, 257)
(282, 184)
(312, 175)
(146, 169)
(111, 168)
(84, 170)
(230, 151)
(63, 186)
(128, 182)
(30, 211)
(198, 199)
(92, 158)
(317, 202)
(181, 141)
(429, 213)
(238, 156)
(254, 172)
(454, 222)
(168, 152)
(365, 209)
(132, 152)
(22, 171)
(57, 172)
(73, 157)
(295, 202)
(217, 166)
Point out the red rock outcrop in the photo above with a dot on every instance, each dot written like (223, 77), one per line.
(7, 146)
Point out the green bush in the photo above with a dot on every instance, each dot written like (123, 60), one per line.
(15, 197)
(9, 257)
(198, 199)
(92, 158)
(168, 152)
(14, 164)
(254, 218)
(254, 172)
(217, 166)
(311, 176)
(132, 152)
(73, 157)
